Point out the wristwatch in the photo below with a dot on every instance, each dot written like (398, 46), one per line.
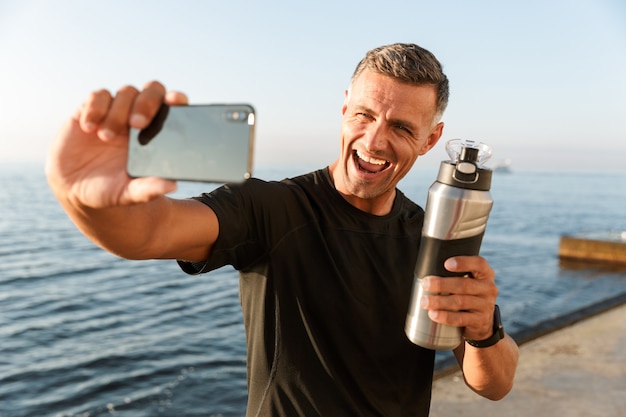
(498, 332)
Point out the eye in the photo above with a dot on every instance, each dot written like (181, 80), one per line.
(363, 116)
(404, 129)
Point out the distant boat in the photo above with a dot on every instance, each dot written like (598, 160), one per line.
(503, 166)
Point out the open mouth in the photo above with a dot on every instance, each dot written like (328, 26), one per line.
(369, 165)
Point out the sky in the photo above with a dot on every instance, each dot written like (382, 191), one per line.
(542, 82)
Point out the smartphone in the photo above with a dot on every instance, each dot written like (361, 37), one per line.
(208, 143)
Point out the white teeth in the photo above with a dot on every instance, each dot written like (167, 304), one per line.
(371, 160)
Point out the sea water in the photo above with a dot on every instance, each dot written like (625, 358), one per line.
(84, 333)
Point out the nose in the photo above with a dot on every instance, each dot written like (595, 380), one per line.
(375, 138)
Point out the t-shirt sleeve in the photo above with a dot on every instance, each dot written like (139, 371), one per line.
(241, 210)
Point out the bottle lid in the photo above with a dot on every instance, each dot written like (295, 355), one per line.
(468, 150)
(466, 169)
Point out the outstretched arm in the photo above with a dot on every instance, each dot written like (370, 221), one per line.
(132, 218)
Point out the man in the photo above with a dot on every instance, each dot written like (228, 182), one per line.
(326, 259)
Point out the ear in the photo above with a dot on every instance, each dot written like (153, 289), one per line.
(433, 138)
(346, 98)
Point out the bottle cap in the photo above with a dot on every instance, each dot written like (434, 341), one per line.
(468, 150)
(466, 169)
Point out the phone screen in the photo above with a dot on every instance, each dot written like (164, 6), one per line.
(209, 143)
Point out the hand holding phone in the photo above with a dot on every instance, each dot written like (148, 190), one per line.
(208, 143)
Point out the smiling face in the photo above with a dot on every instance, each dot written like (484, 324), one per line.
(386, 125)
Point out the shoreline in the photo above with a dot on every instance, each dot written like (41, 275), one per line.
(577, 369)
(543, 328)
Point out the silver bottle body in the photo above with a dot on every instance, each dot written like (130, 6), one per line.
(454, 223)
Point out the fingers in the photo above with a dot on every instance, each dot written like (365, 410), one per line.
(459, 288)
(472, 312)
(477, 266)
(477, 325)
(148, 102)
(94, 110)
(176, 98)
(142, 190)
(112, 115)
(462, 301)
(146, 105)
(456, 303)
(482, 281)
(116, 121)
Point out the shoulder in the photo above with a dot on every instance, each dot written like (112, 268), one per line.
(406, 204)
(259, 193)
(321, 177)
(408, 211)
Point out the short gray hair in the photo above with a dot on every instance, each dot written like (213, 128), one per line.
(408, 63)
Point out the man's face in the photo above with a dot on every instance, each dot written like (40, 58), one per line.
(386, 126)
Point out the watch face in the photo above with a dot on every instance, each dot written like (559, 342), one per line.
(497, 319)
(497, 322)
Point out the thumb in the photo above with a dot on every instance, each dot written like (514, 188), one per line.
(143, 190)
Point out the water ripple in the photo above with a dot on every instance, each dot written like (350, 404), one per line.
(84, 333)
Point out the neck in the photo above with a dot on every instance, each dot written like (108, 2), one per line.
(380, 205)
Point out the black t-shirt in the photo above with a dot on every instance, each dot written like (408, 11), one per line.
(325, 290)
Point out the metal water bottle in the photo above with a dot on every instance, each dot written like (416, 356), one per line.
(457, 210)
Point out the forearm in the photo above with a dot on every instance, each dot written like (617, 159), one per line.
(489, 371)
(129, 231)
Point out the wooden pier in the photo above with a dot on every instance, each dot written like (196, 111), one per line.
(604, 248)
